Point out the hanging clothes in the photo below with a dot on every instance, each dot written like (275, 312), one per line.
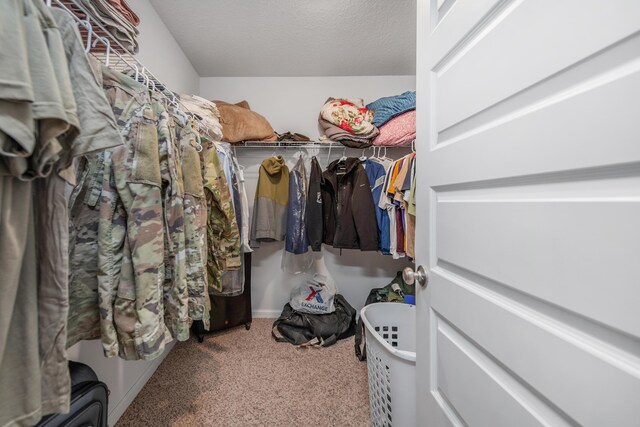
(96, 216)
(98, 132)
(223, 233)
(208, 113)
(296, 241)
(296, 257)
(232, 281)
(195, 224)
(23, 108)
(175, 291)
(398, 182)
(36, 93)
(269, 220)
(376, 174)
(313, 211)
(244, 207)
(84, 219)
(131, 229)
(349, 220)
(411, 213)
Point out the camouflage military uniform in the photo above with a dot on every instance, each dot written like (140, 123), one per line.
(195, 225)
(130, 230)
(223, 235)
(84, 214)
(176, 294)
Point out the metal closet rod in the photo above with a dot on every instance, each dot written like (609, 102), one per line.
(298, 144)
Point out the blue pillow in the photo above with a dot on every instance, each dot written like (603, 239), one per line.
(388, 107)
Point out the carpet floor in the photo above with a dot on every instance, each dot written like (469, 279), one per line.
(245, 378)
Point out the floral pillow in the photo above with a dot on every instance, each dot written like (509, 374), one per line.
(400, 130)
(349, 115)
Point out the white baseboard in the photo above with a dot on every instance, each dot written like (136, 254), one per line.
(266, 314)
(117, 411)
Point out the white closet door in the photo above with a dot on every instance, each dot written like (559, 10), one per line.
(529, 212)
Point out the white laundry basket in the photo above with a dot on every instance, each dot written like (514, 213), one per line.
(390, 331)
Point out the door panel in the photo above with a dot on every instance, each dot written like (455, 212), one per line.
(504, 58)
(459, 24)
(504, 400)
(529, 194)
(586, 91)
(544, 351)
(499, 245)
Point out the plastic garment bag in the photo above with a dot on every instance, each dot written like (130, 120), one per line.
(232, 280)
(244, 206)
(296, 257)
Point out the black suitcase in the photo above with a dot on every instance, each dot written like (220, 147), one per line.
(229, 312)
(89, 401)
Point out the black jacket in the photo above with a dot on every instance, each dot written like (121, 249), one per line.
(349, 218)
(313, 213)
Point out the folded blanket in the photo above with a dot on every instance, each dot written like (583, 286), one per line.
(335, 133)
(126, 11)
(349, 115)
(399, 131)
(119, 27)
(208, 113)
(239, 123)
(384, 109)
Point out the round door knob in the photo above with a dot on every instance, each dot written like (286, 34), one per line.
(410, 277)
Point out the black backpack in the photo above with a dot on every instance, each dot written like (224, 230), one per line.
(379, 295)
(315, 329)
(89, 401)
(361, 348)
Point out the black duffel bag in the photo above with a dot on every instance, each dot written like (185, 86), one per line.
(315, 329)
(89, 401)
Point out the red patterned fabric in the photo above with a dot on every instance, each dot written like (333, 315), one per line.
(399, 131)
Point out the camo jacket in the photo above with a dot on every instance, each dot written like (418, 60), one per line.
(223, 234)
(195, 224)
(175, 291)
(131, 229)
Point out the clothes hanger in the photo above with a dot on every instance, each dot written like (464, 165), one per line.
(108, 53)
(135, 68)
(145, 78)
(106, 42)
(363, 157)
(240, 166)
(89, 28)
(149, 83)
(384, 157)
(344, 155)
(138, 74)
(198, 143)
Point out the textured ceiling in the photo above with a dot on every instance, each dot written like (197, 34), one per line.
(294, 37)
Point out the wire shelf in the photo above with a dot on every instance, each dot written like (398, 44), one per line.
(285, 144)
(302, 144)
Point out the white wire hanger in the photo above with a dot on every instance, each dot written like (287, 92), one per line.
(344, 155)
(364, 157)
